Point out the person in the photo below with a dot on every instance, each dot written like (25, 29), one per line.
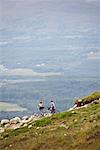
(52, 107)
(41, 106)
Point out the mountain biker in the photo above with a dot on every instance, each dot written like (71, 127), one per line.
(52, 107)
(41, 106)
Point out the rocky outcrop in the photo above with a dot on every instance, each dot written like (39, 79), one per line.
(4, 121)
(17, 122)
(27, 121)
(78, 106)
(88, 99)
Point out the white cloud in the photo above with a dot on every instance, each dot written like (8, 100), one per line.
(40, 65)
(4, 43)
(18, 63)
(73, 36)
(22, 38)
(29, 72)
(26, 72)
(6, 81)
(44, 37)
(15, 39)
(93, 55)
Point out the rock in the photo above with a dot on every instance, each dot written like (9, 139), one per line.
(64, 126)
(1, 130)
(36, 118)
(74, 106)
(30, 126)
(65, 134)
(4, 121)
(10, 145)
(86, 105)
(25, 125)
(94, 121)
(26, 121)
(21, 123)
(25, 118)
(15, 126)
(15, 120)
(38, 128)
(73, 112)
(36, 133)
(7, 125)
(32, 117)
(47, 114)
(75, 120)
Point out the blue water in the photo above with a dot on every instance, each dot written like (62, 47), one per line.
(27, 93)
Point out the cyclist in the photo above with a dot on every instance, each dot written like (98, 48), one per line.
(41, 107)
(52, 107)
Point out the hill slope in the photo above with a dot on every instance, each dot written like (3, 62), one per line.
(78, 129)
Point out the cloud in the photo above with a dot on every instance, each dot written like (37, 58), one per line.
(93, 55)
(6, 81)
(40, 65)
(4, 43)
(26, 72)
(73, 36)
(15, 39)
(18, 63)
(22, 38)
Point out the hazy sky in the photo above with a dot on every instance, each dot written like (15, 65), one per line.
(50, 35)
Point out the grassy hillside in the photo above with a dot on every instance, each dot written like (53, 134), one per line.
(74, 130)
(88, 99)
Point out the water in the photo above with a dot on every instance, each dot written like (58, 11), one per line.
(26, 93)
(42, 37)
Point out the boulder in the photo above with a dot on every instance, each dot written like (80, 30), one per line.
(25, 125)
(25, 121)
(7, 125)
(25, 118)
(15, 120)
(15, 126)
(47, 114)
(30, 126)
(4, 121)
(32, 117)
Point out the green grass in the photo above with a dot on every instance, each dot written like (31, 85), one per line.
(43, 122)
(74, 130)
